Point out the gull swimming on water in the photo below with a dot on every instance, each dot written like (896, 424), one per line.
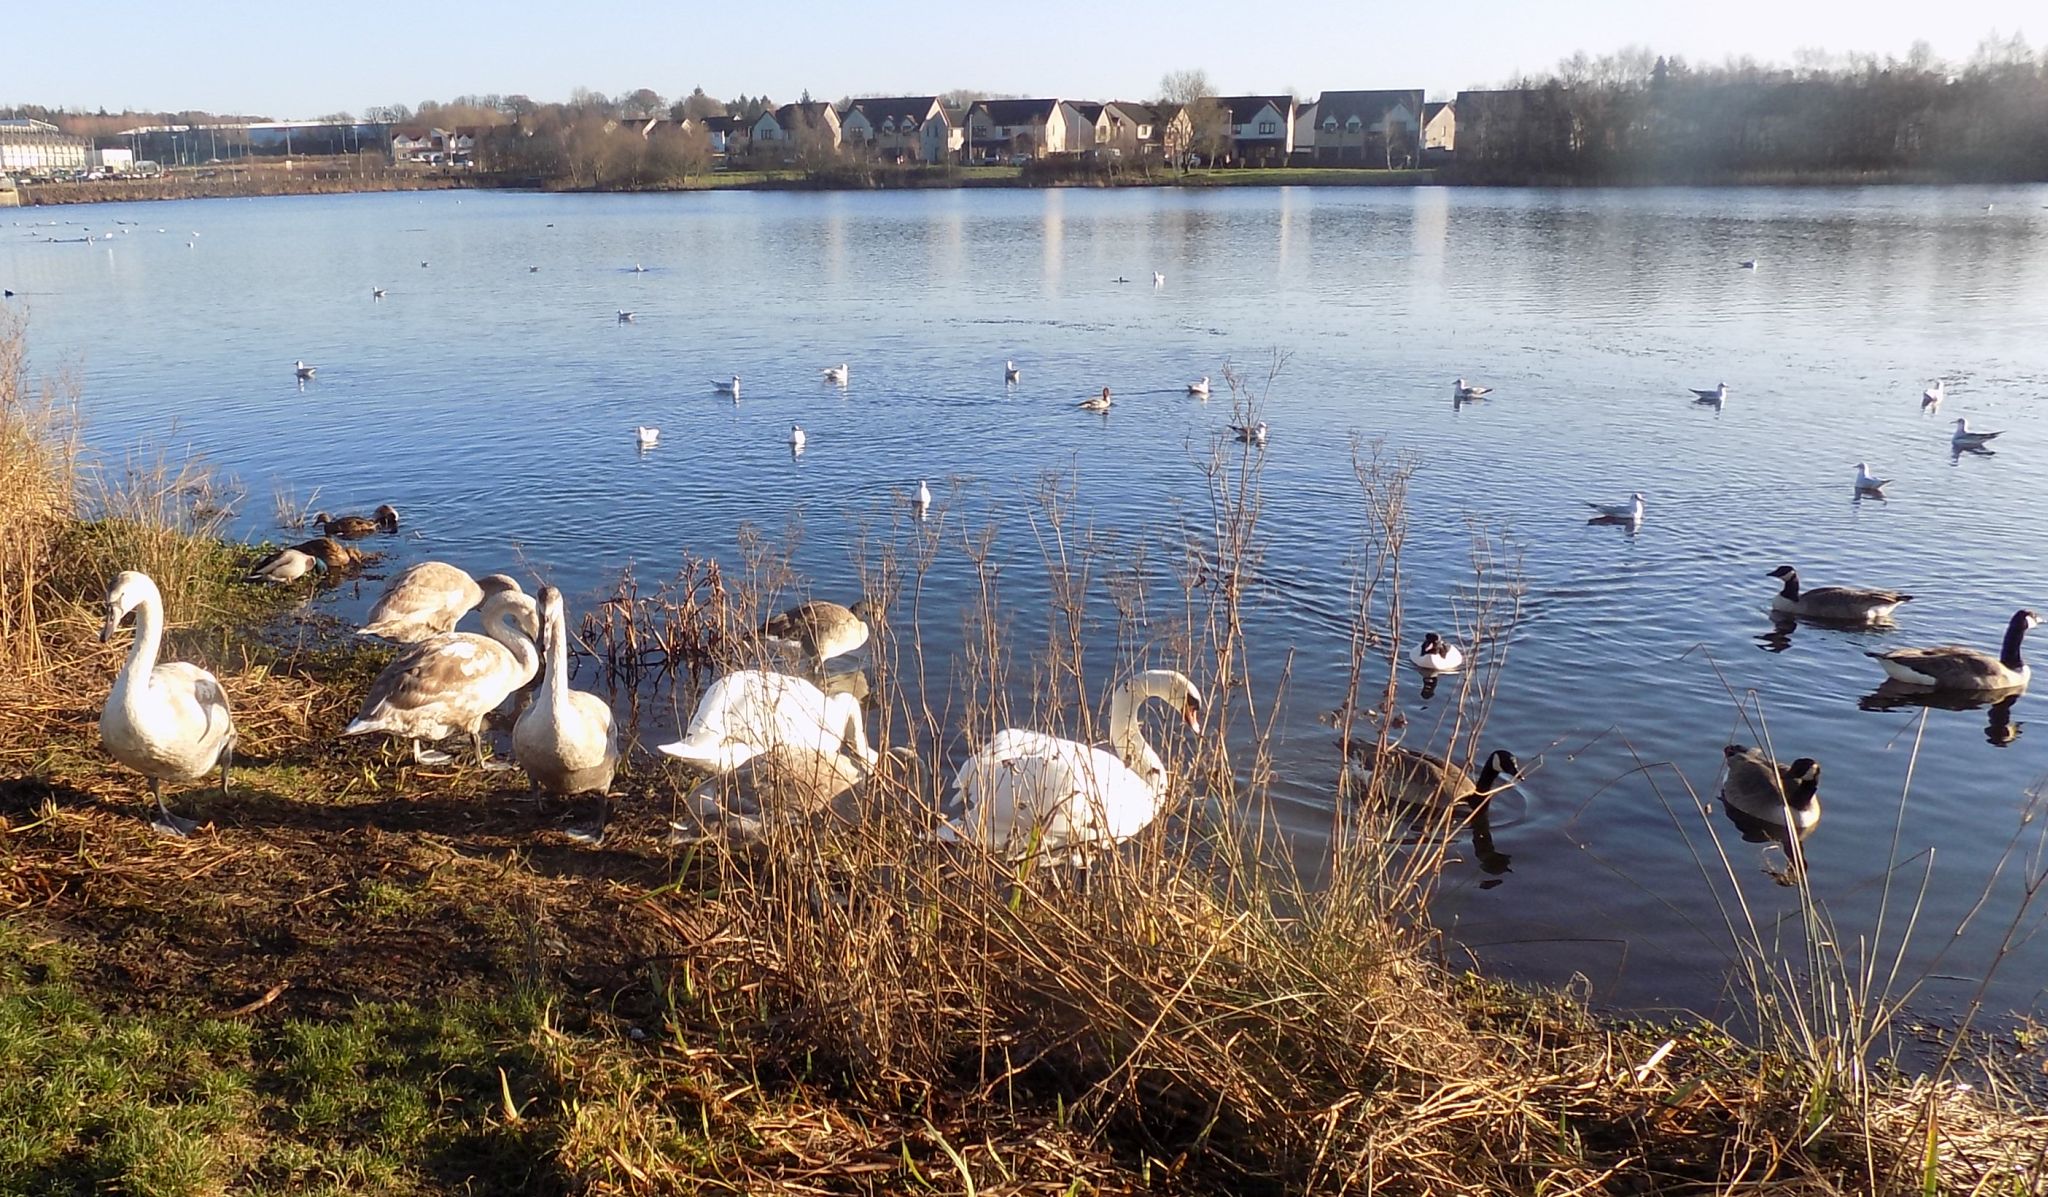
(1868, 484)
(1460, 391)
(1930, 399)
(921, 502)
(1632, 511)
(728, 388)
(1011, 373)
(796, 438)
(376, 293)
(303, 371)
(625, 317)
(1966, 439)
(1200, 387)
(1749, 263)
(647, 437)
(839, 374)
(1717, 396)
(1158, 279)
(1098, 403)
(1250, 434)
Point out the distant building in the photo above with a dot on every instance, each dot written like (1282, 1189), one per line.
(1261, 129)
(786, 130)
(1305, 134)
(1369, 128)
(426, 145)
(33, 147)
(892, 127)
(1516, 131)
(1012, 130)
(1439, 128)
(112, 160)
(1131, 129)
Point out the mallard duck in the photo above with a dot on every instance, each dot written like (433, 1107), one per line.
(355, 527)
(564, 739)
(748, 711)
(1438, 655)
(1099, 403)
(1717, 396)
(1200, 387)
(1760, 787)
(1850, 604)
(1026, 791)
(427, 599)
(446, 684)
(1629, 512)
(1424, 780)
(289, 565)
(839, 374)
(168, 721)
(1963, 438)
(1459, 390)
(1953, 667)
(820, 630)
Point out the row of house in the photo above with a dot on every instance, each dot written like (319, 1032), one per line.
(1344, 128)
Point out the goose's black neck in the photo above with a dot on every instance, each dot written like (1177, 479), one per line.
(1791, 590)
(2015, 632)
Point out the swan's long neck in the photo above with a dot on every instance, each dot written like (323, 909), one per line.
(2009, 656)
(142, 654)
(506, 631)
(1127, 736)
(557, 689)
(1791, 590)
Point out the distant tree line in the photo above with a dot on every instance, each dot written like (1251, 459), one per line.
(1636, 116)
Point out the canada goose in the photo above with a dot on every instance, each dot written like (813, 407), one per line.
(749, 711)
(728, 388)
(1424, 780)
(1461, 391)
(1953, 667)
(1966, 439)
(1868, 483)
(625, 317)
(1250, 434)
(1630, 512)
(1930, 399)
(1849, 604)
(427, 599)
(446, 684)
(1438, 655)
(168, 721)
(355, 527)
(1717, 396)
(1027, 791)
(820, 630)
(303, 371)
(838, 374)
(564, 739)
(647, 437)
(1011, 373)
(1098, 403)
(1200, 387)
(796, 438)
(1760, 787)
(376, 293)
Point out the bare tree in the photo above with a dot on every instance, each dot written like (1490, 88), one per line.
(643, 102)
(697, 106)
(1208, 120)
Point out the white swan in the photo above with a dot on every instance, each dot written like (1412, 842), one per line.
(1027, 792)
(564, 739)
(1868, 483)
(748, 711)
(839, 374)
(303, 370)
(1930, 399)
(647, 437)
(922, 501)
(1966, 439)
(1098, 403)
(728, 388)
(1200, 387)
(169, 721)
(447, 683)
(1461, 391)
(1438, 655)
(1632, 511)
(1717, 396)
(1011, 373)
(796, 438)
(428, 599)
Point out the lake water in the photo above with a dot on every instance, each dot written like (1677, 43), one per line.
(493, 405)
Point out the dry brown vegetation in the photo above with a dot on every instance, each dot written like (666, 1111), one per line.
(367, 977)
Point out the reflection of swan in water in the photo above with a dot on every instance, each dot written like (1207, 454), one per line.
(1999, 729)
(1769, 802)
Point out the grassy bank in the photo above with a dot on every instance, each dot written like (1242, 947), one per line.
(365, 976)
(228, 183)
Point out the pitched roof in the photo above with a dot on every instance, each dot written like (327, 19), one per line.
(1088, 110)
(1370, 107)
(1430, 111)
(1144, 114)
(813, 113)
(1017, 112)
(1244, 109)
(897, 108)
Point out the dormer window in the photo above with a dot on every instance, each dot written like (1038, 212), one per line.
(1329, 124)
(1354, 124)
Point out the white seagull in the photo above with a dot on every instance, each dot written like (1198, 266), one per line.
(1930, 399)
(1460, 391)
(728, 388)
(922, 501)
(1631, 511)
(303, 370)
(647, 437)
(1717, 396)
(376, 293)
(1011, 373)
(1965, 439)
(839, 374)
(796, 438)
(1867, 484)
(1250, 434)
(625, 317)
(1158, 279)
(1200, 387)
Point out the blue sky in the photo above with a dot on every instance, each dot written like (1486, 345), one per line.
(298, 59)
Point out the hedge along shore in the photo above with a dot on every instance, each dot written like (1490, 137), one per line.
(363, 976)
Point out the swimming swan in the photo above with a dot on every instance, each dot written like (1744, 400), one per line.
(169, 721)
(564, 739)
(1026, 791)
(446, 684)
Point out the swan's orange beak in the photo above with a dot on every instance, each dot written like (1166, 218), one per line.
(1191, 711)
